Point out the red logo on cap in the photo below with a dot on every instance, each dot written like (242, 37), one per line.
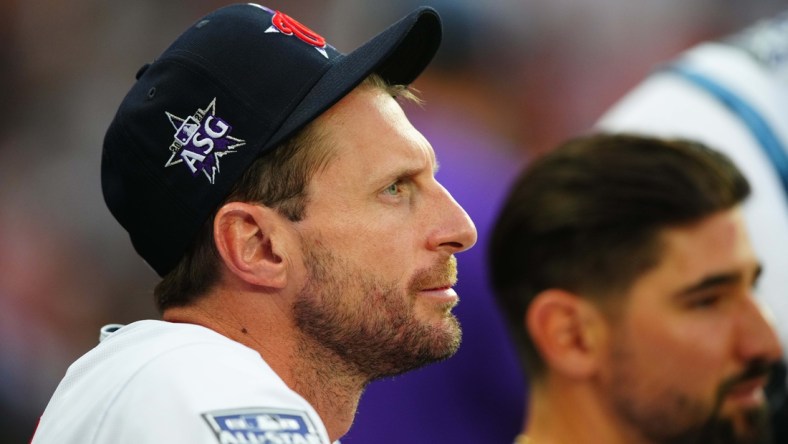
(290, 26)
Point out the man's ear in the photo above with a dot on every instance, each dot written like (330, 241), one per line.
(568, 331)
(248, 239)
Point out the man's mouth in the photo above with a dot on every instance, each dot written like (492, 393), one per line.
(437, 283)
(439, 287)
(441, 293)
(748, 393)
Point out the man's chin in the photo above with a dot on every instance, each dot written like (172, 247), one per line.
(453, 337)
(440, 340)
(745, 426)
(445, 337)
(752, 425)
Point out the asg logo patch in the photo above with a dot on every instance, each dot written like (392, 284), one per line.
(262, 426)
(201, 140)
(283, 23)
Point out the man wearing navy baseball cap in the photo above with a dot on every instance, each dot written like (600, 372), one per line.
(292, 211)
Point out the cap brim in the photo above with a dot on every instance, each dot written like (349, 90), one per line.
(398, 54)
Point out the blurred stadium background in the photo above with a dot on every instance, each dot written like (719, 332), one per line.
(526, 73)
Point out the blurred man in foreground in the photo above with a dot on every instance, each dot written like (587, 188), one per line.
(626, 272)
(732, 94)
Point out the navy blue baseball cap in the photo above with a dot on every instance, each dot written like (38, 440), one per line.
(239, 82)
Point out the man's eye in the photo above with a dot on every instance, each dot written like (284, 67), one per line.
(705, 301)
(392, 189)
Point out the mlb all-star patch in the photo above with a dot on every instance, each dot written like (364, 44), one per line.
(262, 426)
(283, 23)
(201, 140)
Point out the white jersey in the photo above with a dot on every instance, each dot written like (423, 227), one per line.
(750, 75)
(161, 382)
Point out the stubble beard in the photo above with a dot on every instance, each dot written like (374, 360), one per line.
(371, 324)
(667, 416)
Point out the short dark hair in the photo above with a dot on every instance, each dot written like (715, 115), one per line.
(278, 179)
(586, 218)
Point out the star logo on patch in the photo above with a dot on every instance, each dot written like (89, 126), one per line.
(200, 140)
(284, 24)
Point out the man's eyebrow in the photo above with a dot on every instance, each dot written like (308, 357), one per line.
(718, 280)
(407, 172)
(411, 171)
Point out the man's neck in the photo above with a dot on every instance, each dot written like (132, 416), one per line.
(330, 385)
(568, 413)
(321, 377)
